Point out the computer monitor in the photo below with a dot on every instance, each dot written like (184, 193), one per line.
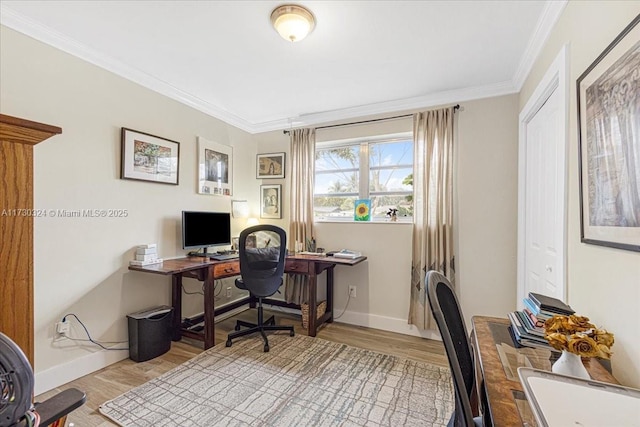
(205, 229)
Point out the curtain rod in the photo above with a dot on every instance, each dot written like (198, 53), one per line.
(286, 132)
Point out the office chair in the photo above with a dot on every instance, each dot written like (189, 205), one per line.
(446, 311)
(16, 392)
(261, 271)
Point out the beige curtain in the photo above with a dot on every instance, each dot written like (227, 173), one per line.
(303, 150)
(432, 207)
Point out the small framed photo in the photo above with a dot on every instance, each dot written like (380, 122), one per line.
(215, 168)
(362, 210)
(270, 165)
(271, 201)
(147, 157)
(609, 144)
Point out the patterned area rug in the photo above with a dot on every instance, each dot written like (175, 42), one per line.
(302, 381)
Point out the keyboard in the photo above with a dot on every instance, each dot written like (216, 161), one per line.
(223, 257)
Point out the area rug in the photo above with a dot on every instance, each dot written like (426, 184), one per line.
(302, 381)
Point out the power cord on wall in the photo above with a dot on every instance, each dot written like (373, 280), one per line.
(201, 291)
(91, 340)
(345, 308)
(186, 292)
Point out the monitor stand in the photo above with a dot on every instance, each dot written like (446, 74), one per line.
(200, 254)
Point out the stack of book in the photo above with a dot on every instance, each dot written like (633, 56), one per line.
(543, 307)
(146, 255)
(527, 325)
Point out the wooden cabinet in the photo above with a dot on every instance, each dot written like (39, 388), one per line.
(17, 139)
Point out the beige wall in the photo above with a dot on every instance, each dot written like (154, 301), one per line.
(603, 283)
(80, 263)
(487, 204)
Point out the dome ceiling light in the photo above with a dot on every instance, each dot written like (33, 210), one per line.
(292, 22)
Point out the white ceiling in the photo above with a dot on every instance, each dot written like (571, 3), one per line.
(363, 57)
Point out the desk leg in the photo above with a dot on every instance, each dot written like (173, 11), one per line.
(313, 304)
(330, 293)
(176, 303)
(209, 311)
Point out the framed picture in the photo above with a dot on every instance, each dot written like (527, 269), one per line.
(609, 144)
(147, 157)
(271, 201)
(215, 168)
(270, 165)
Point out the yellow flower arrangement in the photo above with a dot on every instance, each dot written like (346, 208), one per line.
(577, 335)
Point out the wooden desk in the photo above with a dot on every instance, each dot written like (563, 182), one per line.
(208, 271)
(500, 391)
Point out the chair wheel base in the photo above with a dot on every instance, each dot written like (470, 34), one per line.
(292, 333)
(266, 348)
(228, 343)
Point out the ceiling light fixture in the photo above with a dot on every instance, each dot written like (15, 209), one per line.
(292, 22)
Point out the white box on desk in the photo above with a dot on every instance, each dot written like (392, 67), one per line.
(147, 246)
(146, 251)
(143, 263)
(149, 257)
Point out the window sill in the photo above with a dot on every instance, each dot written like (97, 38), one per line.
(408, 221)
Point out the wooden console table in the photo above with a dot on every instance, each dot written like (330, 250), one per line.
(502, 398)
(208, 271)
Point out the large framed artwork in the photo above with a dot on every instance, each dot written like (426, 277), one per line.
(271, 201)
(270, 165)
(609, 144)
(147, 157)
(215, 168)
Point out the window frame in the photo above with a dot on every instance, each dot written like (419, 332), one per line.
(364, 173)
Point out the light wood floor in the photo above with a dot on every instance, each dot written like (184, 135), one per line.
(120, 377)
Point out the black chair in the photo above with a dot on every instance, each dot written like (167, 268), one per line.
(261, 270)
(446, 311)
(16, 391)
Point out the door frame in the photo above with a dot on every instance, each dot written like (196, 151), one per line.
(555, 78)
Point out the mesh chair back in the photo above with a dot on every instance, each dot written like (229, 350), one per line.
(446, 312)
(262, 267)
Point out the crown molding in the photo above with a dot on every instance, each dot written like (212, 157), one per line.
(396, 106)
(548, 19)
(18, 22)
(37, 31)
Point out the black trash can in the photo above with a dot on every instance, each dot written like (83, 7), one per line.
(149, 333)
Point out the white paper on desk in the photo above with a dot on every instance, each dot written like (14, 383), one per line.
(565, 401)
(347, 254)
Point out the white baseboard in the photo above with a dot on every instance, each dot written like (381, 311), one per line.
(384, 323)
(76, 368)
(390, 324)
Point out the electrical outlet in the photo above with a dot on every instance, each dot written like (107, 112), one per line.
(352, 291)
(228, 291)
(62, 328)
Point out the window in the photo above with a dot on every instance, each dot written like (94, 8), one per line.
(376, 169)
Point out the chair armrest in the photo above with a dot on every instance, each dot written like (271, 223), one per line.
(59, 405)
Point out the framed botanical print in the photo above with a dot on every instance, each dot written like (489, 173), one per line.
(271, 201)
(609, 144)
(147, 157)
(215, 168)
(270, 165)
